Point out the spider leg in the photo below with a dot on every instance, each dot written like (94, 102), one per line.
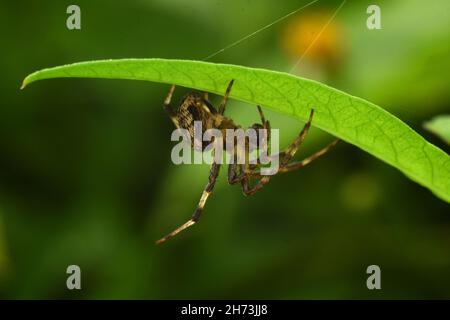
(253, 171)
(214, 172)
(261, 114)
(247, 175)
(263, 180)
(248, 168)
(167, 104)
(225, 98)
(293, 147)
(266, 127)
(300, 164)
(233, 176)
(236, 171)
(245, 183)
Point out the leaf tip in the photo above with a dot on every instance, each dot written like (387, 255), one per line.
(24, 83)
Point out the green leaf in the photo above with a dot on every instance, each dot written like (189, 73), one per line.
(440, 126)
(352, 119)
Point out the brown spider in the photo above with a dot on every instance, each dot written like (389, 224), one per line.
(196, 107)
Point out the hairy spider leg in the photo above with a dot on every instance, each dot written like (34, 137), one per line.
(214, 172)
(265, 124)
(286, 156)
(249, 168)
(290, 151)
(300, 164)
(215, 167)
(236, 172)
(224, 101)
(168, 106)
(244, 172)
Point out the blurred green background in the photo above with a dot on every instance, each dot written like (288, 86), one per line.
(86, 176)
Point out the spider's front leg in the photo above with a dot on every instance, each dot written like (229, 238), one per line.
(289, 153)
(225, 98)
(214, 172)
(300, 164)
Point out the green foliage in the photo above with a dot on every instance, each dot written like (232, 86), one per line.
(440, 126)
(352, 119)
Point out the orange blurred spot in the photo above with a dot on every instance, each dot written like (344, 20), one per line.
(299, 38)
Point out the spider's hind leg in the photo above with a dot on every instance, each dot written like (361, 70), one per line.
(214, 172)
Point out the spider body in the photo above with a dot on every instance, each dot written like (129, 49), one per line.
(196, 107)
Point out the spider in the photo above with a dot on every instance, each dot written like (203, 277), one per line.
(196, 107)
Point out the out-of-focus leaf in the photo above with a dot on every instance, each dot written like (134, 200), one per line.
(440, 126)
